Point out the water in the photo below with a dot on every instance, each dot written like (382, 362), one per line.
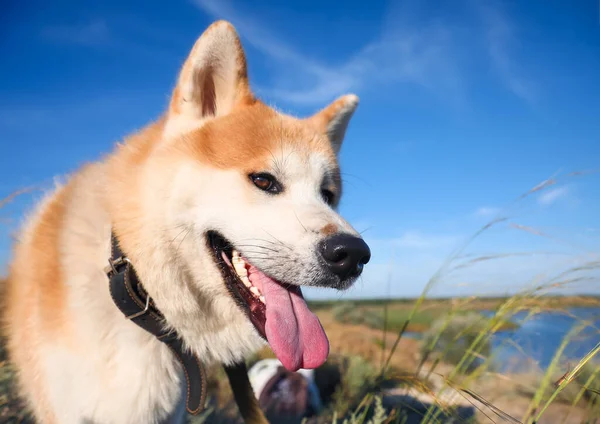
(536, 341)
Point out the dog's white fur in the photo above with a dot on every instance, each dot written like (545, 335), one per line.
(78, 358)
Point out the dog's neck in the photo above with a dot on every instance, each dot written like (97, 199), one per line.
(135, 303)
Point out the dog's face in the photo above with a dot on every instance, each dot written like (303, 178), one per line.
(250, 197)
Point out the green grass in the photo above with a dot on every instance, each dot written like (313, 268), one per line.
(12, 409)
(396, 317)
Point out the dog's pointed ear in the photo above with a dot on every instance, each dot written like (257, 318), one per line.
(214, 78)
(333, 120)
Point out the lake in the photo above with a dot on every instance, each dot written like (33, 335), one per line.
(538, 338)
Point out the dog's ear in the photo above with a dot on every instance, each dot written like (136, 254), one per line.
(214, 78)
(333, 119)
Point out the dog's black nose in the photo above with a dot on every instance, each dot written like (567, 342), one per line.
(345, 255)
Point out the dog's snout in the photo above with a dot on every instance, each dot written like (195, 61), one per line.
(345, 254)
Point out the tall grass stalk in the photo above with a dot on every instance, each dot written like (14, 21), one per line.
(567, 380)
(585, 389)
(490, 328)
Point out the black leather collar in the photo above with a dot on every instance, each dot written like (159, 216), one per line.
(130, 297)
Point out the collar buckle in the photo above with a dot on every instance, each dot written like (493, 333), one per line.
(111, 268)
(142, 312)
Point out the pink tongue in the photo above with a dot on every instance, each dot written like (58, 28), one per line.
(293, 331)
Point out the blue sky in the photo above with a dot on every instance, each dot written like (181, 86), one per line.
(465, 106)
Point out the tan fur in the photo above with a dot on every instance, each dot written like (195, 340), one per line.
(329, 229)
(31, 320)
(254, 133)
(160, 191)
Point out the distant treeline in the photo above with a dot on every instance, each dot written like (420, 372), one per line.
(485, 302)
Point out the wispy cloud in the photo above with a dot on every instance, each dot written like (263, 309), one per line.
(486, 211)
(400, 54)
(418, 240)
(93, 33)
(131, 35)
(413, 48)
(551, 196)
(501, 42)
(50, 114)
(414, 239)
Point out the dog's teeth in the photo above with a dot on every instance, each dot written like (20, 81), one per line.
(240, 269)
(261, 298)
(246, 281)
(254, 291)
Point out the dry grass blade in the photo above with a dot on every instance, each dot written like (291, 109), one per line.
(501, 414)
(541, 186)
(13, 195)
(578, 173)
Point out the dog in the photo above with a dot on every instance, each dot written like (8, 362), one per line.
(225, 208)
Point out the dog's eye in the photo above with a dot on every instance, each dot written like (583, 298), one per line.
(266, 182)
(327, 196)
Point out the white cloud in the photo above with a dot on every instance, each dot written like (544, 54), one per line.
(92, 33)
(416, 241)
(551, 196)
(487, 211)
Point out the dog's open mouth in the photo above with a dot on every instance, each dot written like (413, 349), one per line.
(277, 310)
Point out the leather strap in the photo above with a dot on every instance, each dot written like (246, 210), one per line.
(134, 302)
(250, 410)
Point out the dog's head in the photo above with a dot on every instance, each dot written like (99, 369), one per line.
(244, 202)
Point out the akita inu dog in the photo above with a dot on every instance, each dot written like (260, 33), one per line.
(224, 208)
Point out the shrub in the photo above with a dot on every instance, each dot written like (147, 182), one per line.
(12, 408)
(373, 320)
(357, 378)
(341, 311)
(451, 337)
(349, 313)
(355, 317)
